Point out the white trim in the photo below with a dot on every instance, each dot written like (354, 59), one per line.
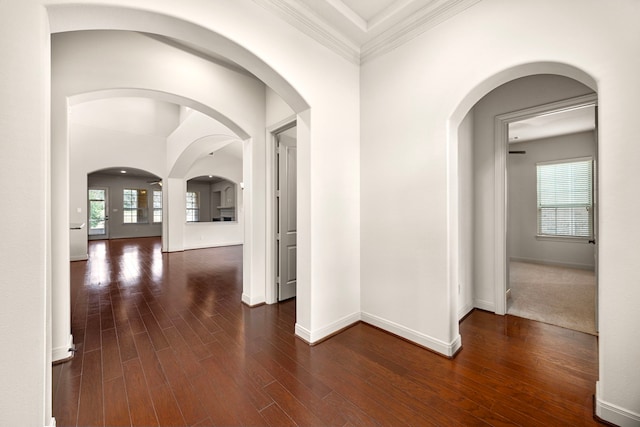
(304, 20)
(63, 352)
(333, 327)
(613, 413)
(79, 257)
(252, 301)
(52, 422)
(271, 290)
(463, 311)
(411, 27)
(554, 263)
(501, 145)
(214, 245)
(303, 333)
(439, 346)
(484, 305)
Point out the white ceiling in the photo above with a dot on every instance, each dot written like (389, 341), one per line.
(555, 124)
(362, 29)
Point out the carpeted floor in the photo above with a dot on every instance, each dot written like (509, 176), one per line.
(556, 295)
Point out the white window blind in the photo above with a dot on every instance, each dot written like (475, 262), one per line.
(193, 206)
(157, 206)
(565, 198)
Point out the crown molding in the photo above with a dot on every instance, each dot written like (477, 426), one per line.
(306, 21)
(408, 29)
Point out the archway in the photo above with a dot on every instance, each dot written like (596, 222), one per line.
(69, 18)
(493, 264)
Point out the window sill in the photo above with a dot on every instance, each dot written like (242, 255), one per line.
(567, 239)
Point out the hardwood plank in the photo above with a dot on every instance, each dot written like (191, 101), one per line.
(90, 409)
(234, 396)
(111, 365)
(140, 405)
(166, 407)
(276, 417)
(292, 406)
(116, 406)
(320, 408)
(92, 333)
(149, 360)
(65, 401)
(187, 398)
(155, 332)
(175, 346)
(125, 341)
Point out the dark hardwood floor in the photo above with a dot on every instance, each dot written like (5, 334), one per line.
(163, 339)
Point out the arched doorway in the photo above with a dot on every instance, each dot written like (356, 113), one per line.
(71, 18)
(480, 250)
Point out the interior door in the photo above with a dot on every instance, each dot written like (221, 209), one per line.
(98, 213)
(594, 241)
(286, 236)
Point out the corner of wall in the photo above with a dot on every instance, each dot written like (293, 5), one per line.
(614, 414)
(447, 349)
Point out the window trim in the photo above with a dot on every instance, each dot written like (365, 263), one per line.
(196, 209)
(567, 238)
(154, 209)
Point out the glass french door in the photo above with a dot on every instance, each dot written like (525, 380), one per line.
(98, 213)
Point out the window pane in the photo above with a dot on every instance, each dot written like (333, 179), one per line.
(134, 206)
(193, 206)
(157, 206)
(565, 197)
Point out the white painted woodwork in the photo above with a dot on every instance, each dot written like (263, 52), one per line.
(286, 194)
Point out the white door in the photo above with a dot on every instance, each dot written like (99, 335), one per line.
(594, 241)
(98, 213)
(286, 232)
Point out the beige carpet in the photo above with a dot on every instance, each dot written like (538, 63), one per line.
(556, 295)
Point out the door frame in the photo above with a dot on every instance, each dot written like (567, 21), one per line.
(272, 213)
(107, 209)
(501, 149)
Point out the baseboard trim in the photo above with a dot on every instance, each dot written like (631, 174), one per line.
(52, 422)
(464, 311)
(63, 353)
(303, 333)
(215, 245)
(79, 257)
(614, 414)
(317, 336)
(438, 346)
(485, 305)
(253, 302)
(554, 263)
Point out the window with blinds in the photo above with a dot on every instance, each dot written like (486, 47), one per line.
(157, 206)
(134, 206)
(193, 206)
(565, 198)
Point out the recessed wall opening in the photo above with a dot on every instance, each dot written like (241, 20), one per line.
(513, 129)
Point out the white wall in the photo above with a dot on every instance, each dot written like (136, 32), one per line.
(295, 61)
(513, 96)
(25, 281)
(467, 215)
(523, 219)
(413, 100)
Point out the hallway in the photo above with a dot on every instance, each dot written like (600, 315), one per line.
(163, 339)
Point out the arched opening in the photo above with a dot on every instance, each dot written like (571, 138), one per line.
(478, 190)
(171, 30)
